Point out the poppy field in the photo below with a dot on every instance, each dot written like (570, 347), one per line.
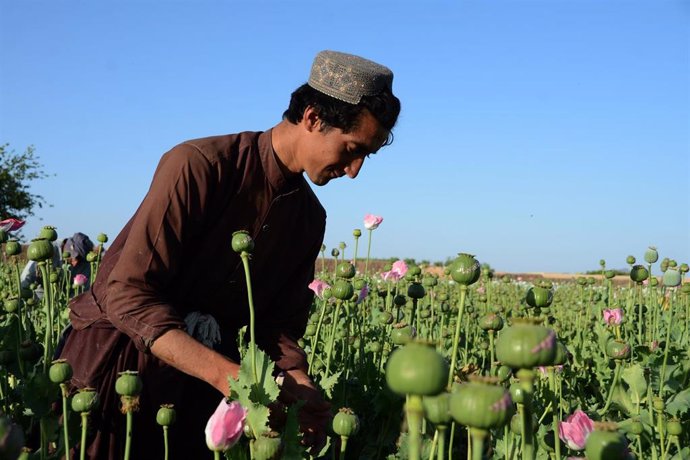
(452, 363)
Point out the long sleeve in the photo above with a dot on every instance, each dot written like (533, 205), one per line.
(167, 220)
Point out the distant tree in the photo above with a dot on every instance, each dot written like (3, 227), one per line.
(17, 171)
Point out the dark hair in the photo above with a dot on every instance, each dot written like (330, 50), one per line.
(385, 107)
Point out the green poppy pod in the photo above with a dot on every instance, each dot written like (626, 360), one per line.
(39, 250)
(581, 281)
(651, 255)
(539, 297)
(414, 270)
(684, 268)
(310, 330)
(685, 288)
(672, 278)
(102, 238)
(335, 253)
(242, 242)
(636, 427)
(359, 284)
(429, 281)
(375, 347)
(561, 354)
(401, 334)
(638, 273)
(417, 369)
(11, 305)
(267, 447)
(653, 281)
(12, 248)
(345, 423)
(356, 233)
(674, 427)
(128, 384)
(342, 245)
(345, 270)
(385, 317)
(342, 289)
(516, 424)
(437, 408)
(481, 405)
(617, 349)
(85, 400)
(48, 233)
(517, 393)
(166, 415)
(606, 445)
(524, 345)
(609, 274)
(415, 290)
(602, 262)
(491, 322)
(630, 260)
(91, 256)
(503, 373)
(60, 371)
(399, 300)
(465, 269)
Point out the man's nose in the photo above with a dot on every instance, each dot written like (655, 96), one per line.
(353, 168)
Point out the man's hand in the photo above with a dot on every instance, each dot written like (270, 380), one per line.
(314, 415)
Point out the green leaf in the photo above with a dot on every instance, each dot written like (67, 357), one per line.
(328, 383)
(257, 418)
(637, 384)
(292, 436)
(245, 390)
(679, 403)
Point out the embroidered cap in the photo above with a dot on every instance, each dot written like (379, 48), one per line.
(348, 77)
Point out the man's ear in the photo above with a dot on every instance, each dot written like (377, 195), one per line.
(311, 119)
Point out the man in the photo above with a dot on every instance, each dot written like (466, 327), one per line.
(173, 266)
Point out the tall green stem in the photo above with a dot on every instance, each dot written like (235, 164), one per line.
(65, 418)
(128, 438)
(165, 442)
(415, 413)
(478, 437)
(250, 298)
(366, 265)
(526, 377)
(456, 337)
(612, 388)
(315, 342)
(48, 305)
(554, 411)
(84, 426)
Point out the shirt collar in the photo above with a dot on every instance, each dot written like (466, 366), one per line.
(269, 160)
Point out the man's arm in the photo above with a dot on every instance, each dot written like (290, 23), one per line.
(178, 349)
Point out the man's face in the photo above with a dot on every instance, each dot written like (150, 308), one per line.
(330, 153)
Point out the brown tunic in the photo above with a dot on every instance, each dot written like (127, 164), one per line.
(174, 257)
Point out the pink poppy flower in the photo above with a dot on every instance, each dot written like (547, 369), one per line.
(575, 429)
(80, 279)
(225, 426)
(318, 287)
(396, 272)
(371, 222)
(613, 316)
(11, 224)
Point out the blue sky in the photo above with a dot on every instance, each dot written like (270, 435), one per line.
(537, 135)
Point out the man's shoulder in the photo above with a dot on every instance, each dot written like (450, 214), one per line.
(215, 147)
